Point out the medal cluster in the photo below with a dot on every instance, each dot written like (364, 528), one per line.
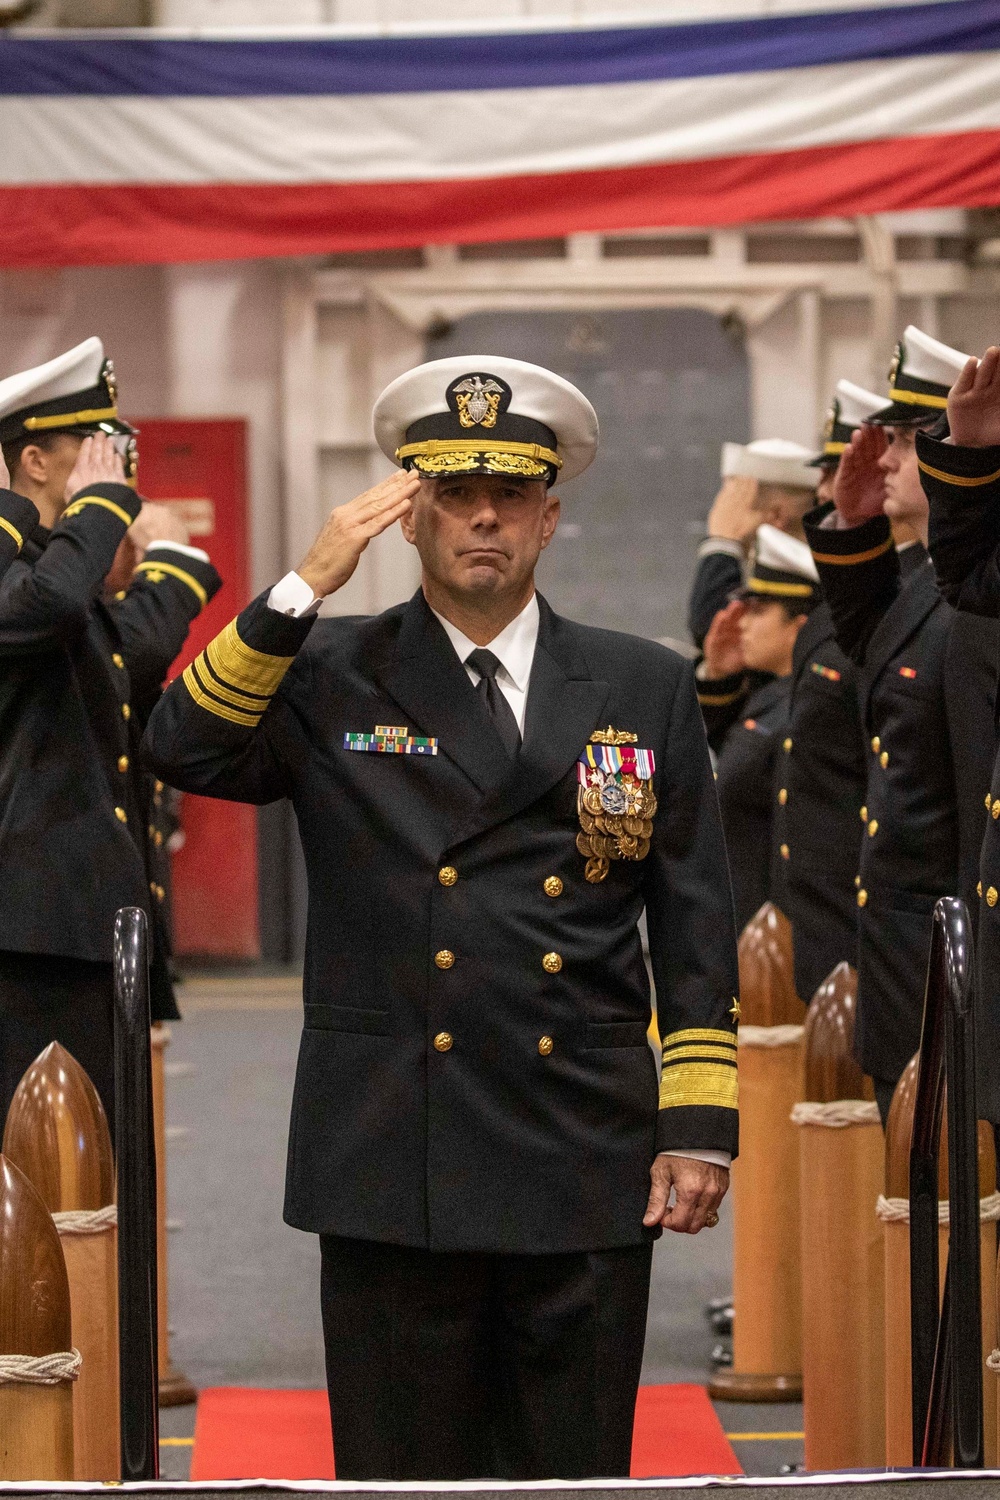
(616, 820)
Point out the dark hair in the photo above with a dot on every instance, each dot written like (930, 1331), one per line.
(14, 447)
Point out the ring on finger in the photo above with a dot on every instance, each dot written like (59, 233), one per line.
(711, 1220)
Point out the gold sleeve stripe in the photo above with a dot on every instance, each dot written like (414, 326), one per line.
(76, 506)
(5, 525)
(848, 559)
(719, 700)
(211, 684)
(250, 671)
(699, 1034)
(707, 1051)
(918, 398)
(153, 567)
(957, 479)
(248, 721)
(699, 1084)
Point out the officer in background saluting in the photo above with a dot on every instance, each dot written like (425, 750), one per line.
(488, 796)
(928, 679)
(74, 828)
(746, 724)
(823, 766)
(18, 518)
(962, 480)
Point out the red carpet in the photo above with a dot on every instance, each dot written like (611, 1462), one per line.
(243, 1433)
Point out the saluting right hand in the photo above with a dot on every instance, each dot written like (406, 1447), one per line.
(735, 514)
(723, 649)
(334, 554)
(859, 488)
(96, 463)
(974, 403)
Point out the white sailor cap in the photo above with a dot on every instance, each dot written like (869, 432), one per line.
(783, 568)
(852, 406)
(772, 461)
(75, 392)
(481, 414)
(922, 372)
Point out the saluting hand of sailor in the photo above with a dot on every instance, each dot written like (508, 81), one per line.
(156, 523)
(974, 403)
(96, 463)
(859, 488)
(334, 554)
(698, 1187)
(723, 648)
(735, 514)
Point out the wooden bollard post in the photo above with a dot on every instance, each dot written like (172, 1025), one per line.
(894, 1211)
(767, 1329)
(37, 1362)
(175, 1388)
(841, 1162)
(57, 1134)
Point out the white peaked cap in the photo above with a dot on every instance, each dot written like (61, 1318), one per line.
(772, 461)
(776, 549)
(857, 405)
(535, 393)
(929, 359)
(78, 369)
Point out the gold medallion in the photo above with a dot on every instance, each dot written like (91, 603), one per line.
(587, 823)
(592, 800)
(596, 870)
(583, 845)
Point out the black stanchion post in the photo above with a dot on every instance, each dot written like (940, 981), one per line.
(964, 1286)
(136, 1163)
(924, 1147)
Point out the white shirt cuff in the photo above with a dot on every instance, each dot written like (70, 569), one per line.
(293, 596)
(715, 544)
(714, 1158)
(197, 552)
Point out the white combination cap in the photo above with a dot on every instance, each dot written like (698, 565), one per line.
(482, 414)
(772, 461)
(922, 372)
(75, 392)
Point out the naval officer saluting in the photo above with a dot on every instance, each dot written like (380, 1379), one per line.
(488, 796)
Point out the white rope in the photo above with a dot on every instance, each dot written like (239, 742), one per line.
(44, 1369)
(897, 1210)
(86, 1220)
(993, 1361)
(770, 1036)
(838, 1114)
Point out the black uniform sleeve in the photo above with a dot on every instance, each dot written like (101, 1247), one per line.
(46, 603)
(721, 700)
(859, 571)
(153, 615)
(970, 679)
(217, 730)
(692, 944)
(18, 517)
(963, 488)
(717, 575)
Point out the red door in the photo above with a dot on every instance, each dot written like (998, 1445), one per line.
(199, 467)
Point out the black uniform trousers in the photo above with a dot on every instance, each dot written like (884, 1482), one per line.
(465, 1365)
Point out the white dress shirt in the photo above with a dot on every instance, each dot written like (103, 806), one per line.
(515, 649)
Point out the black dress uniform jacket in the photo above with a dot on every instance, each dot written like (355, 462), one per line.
(963, 487)
(18, 518)
(821, 776)
(474, 1072)
(73, 817)
(746, 728)
(927, 679)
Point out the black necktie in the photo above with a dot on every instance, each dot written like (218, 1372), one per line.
(496, 705)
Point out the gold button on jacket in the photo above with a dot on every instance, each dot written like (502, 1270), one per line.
(883, 759)
(873, 828)
(123, 763)
(552, 963)
(553, 886)
(444, 959)
(862, 898)
(783, 796)
(126, 711)
(443, 1041)
(121, 814)
(447, 875)
(876, 744)
(545, 1045)
(116, 658)
(991, 896)
(787, 746)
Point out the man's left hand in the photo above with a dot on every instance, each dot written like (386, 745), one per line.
(698, 1186)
